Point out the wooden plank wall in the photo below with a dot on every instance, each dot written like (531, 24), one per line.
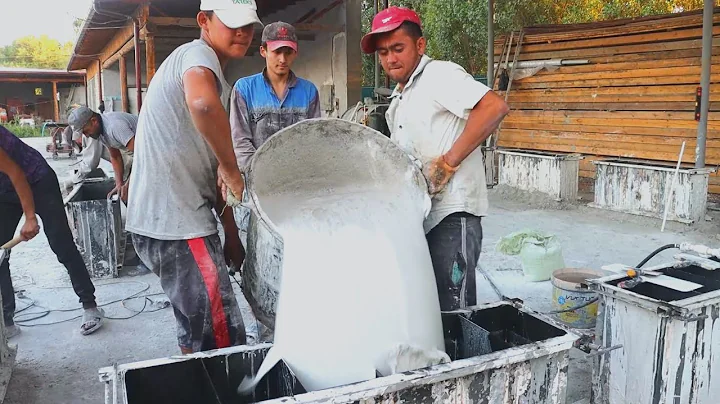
(635, 98)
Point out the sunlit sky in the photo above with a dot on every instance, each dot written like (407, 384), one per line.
(53, 18)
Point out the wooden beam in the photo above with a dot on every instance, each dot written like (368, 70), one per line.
(612, 106)
(306, 15)
(633, 28)
(150, 57)
(325, 10)
(663, 118)
(56, 107)
(635, 81)
(175, 22)
(100, 77)
(92, 71)
(617, 50)
(123, 84)
(127, 48)
(621, 40)
(138, 71)
(119, 42)
(38, 80)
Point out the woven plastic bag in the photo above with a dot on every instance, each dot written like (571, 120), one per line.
(540, 253)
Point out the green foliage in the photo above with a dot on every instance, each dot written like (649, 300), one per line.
(36, 52)
(456, 30)
(23, 131)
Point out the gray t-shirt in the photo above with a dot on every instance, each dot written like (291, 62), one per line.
(118, 129)
(173, 182)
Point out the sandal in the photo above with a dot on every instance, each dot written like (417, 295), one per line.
(92, 320)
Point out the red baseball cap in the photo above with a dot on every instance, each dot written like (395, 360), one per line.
(387, 20)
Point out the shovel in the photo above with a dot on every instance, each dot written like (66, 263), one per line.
(654, 277)
(5, 249)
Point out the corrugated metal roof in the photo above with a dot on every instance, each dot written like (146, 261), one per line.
(106, 17)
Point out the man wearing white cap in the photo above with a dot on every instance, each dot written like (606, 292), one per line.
(182, 144)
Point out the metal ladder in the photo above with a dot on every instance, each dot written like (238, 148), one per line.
(514, 39)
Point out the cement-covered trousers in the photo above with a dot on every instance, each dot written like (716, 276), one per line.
(455, 245)
(194, 276)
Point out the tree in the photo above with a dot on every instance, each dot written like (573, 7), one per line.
(38, 52)
(456, 30)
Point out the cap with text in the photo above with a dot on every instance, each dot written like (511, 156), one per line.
(233, 13)
(278, 35)
(388, 20)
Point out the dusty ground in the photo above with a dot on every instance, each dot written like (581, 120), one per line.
(57, 365)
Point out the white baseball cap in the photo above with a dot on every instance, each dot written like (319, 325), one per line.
(233, 13)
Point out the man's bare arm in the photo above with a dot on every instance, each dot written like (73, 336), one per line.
(211, 120)
(8, 166)
(118, 168)
(233, 249)
(131, 144)
(483, 120)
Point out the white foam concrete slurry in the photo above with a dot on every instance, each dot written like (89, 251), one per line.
(357, 279)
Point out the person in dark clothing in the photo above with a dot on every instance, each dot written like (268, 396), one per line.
(29, 186)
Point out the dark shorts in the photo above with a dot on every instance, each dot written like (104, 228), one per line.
(455, 245)
(194, 276)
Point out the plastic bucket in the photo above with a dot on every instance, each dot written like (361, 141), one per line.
(568, 293)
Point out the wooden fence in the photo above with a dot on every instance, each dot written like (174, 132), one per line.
(635, 98)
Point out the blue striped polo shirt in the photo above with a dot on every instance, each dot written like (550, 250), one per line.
(256, 112)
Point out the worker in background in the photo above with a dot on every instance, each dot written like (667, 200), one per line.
(115, 130)
(440, 115)
(92, 152)
(272, 100)
(29, 186)
(267, 102)
(183, 144)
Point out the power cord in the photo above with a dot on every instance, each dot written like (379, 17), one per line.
(24, 319)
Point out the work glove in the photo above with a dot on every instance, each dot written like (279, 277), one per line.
(438, 173)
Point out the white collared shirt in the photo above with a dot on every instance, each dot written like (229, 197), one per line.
(425, 120)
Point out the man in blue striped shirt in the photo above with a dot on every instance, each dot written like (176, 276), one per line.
(272, 100)
(265, 103)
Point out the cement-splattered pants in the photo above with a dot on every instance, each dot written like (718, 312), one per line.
(194, 276)
(455, 245)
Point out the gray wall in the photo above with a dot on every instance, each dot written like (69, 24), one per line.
(93, 101)
(111, 88)
(70, 94)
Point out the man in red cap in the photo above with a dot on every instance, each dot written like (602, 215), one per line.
(440, 115)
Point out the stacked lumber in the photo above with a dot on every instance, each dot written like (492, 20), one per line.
(635, 98)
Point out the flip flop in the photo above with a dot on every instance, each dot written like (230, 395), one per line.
(92, 320)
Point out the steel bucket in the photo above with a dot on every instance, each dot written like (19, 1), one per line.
(321, 153)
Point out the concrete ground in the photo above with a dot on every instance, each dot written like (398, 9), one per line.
(55, 364)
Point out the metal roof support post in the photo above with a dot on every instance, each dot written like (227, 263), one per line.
(491, 43)
(705, 82)
(138, 70)
(377, 59)
(386, 4)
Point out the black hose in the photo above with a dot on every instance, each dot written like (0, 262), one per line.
(588, 303)
(656, 252)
